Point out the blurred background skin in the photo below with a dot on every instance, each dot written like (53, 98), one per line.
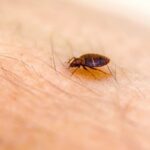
(137, 10)
(42, 106)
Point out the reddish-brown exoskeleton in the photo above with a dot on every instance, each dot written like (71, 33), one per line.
(89, 61)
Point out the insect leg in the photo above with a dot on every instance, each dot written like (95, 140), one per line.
(74, 71)
(89, 72)
(112, 74)
(99, 70)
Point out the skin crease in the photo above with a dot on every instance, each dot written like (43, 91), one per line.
(43, 107)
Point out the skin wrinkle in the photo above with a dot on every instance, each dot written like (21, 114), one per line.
(28, 88)
(49, 109)
(20, 84)
(17, 77)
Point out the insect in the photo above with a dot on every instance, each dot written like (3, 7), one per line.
(91, 61)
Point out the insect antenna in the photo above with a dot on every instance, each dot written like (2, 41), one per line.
(70, 60)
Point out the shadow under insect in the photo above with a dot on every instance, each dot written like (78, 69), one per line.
(90, 73)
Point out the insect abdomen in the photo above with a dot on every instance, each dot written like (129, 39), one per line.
(89, 62)
(94, 62)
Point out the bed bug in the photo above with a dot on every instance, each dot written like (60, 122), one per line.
(91, 61)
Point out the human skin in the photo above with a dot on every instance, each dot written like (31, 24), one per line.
(43, 106)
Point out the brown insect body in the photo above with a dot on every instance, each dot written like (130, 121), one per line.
(89, 60)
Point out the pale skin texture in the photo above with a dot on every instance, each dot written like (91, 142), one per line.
(43, 107)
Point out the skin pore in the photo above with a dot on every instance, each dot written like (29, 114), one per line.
(42, 106)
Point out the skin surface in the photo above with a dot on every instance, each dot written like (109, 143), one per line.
(43, 107)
